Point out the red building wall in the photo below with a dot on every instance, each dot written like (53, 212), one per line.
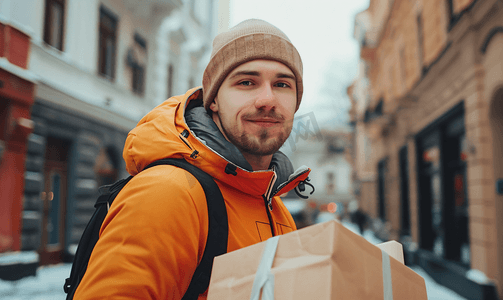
(16, 98)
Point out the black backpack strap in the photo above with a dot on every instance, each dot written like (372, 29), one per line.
(91, 235)
(218, 228)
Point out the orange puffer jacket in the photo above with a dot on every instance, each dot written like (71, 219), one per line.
(155, 232)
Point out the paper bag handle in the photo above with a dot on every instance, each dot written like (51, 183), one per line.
(264, 279)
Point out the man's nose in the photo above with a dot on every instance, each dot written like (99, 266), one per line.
(266, 98)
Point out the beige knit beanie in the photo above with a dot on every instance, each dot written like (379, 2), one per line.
(249, 40)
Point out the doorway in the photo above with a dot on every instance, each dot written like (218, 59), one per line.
(442, 189)
(381, 189)
(456, 201)
(496, 121)
(430, 197)
(404, 193)
(54, 201)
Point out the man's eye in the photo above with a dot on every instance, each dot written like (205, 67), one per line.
(245, 83)
(282, 84)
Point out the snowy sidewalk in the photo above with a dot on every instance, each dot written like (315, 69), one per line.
(48, 284)
(434, 290)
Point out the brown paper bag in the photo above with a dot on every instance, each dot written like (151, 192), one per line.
(323, 261)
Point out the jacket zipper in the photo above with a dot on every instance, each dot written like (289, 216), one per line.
(269, 216)
(269, 195)
(268, 201)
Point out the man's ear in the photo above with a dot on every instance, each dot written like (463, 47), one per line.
(214, 105)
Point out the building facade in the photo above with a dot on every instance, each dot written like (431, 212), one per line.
(17, 91)
(98, 67)
(326, 153)
(428, 133)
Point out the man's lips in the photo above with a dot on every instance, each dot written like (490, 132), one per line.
(264, 122)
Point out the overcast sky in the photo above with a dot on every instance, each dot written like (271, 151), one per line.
(322, 32)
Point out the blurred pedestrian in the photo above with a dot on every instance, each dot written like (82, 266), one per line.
(232, 128)
(358, 216)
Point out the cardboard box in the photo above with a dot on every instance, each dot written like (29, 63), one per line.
(323, 261)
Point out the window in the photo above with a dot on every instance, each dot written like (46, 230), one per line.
(107, 44)
(381, 172)
(170, 80)
(404, 192)
(138, 63)
(420, 40)
(54, 20)
(403, 70)
(330, 187)
(4, 116)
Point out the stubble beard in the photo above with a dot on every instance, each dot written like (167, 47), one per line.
(261, 145)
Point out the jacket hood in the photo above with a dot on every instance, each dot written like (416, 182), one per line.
(180, 127)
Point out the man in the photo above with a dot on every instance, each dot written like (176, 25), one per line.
(155, 232)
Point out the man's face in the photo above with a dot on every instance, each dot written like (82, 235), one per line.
(254, 106)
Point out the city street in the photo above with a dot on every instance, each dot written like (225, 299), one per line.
(48, 284)
(381, 113)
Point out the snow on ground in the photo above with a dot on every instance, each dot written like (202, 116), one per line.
(48, 284)
(434, 290)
